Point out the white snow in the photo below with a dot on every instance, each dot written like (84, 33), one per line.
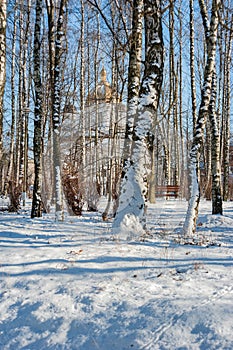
(72, 285)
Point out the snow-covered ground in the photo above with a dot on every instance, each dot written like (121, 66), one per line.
(73, 285)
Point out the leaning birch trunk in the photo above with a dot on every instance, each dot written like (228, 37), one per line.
(211, 36)
(130, 216)
(2, 66)
(56, 110)
(37, 141)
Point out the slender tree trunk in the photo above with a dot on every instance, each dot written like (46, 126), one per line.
(176, 152)
(172, 101)
(51, 49)
(21, 99)
(135, 57)
(9, 175)
(82, 104)
(211, 36)
(56, 110)
(192, 65)
(38, 115)
(206, 150)
(182, 160)
(24, 23)
(112, 133)
(2, 67)
(96, 71)
(226, 111)
(132, 201)
(215, 152)
(56, 56)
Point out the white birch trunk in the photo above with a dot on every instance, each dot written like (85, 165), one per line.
(2, 66)
(9, 175)
(38, 115)
(56, 100)
(211, 38)
(135, 57)
(192, 65)
(82, 103)
(215, 152)
(130, 215)
(226, 109)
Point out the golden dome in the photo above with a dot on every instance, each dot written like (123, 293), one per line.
(103, 91)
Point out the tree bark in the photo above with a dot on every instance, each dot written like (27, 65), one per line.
(24, 86)
(226, 111)
(2, 67)
(211, 36)
(82, 101)
(56, 109)
(38, 115)
(135, 57)
(192, 65)
(215, 152)
(132, 201)
(9, 175)
(56, 33)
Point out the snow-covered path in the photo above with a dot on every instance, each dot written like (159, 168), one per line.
(72, 285)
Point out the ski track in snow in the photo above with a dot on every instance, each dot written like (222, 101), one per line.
(73, 286)
(218, 294)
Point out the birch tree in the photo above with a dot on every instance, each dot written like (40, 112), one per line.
(132, 201)
(82, 98)
(9, 174)
(37, 142)
(56, 51)
(226, 105)
(2, 66)
(134, 70)
(211, 38)
(215, 151)
(23, 94)
(192, 64)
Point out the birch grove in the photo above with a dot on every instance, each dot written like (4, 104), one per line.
(116, 99)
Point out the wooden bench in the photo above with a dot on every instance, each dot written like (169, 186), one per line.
(167, 191)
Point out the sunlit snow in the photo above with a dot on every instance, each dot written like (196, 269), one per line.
(72, 285)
